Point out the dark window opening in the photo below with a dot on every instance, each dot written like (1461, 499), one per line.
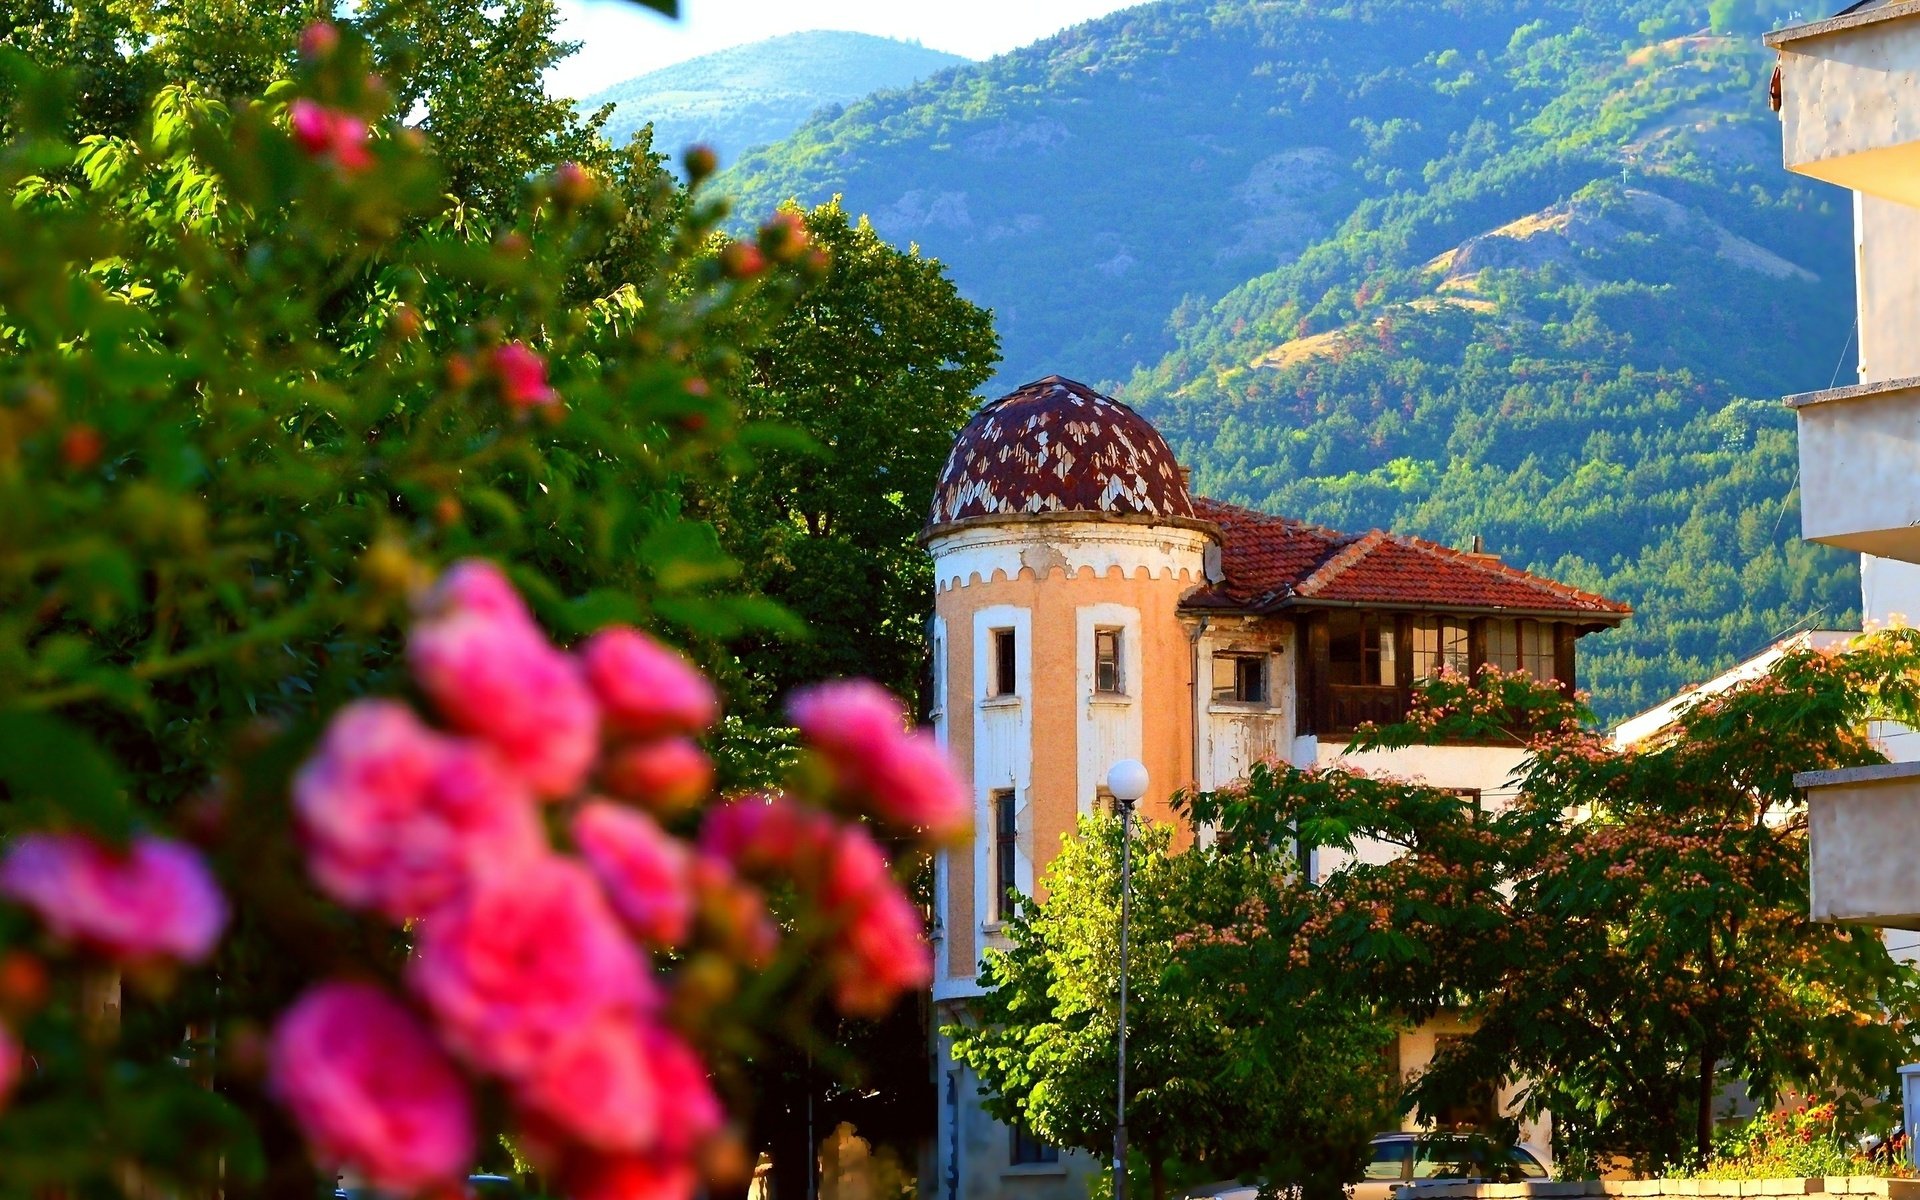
(1030, 1151)
(1006, 849)
(1240, 678)
(1106, 662)
(1004, 659)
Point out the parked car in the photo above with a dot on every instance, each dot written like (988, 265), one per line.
(1403, 1159)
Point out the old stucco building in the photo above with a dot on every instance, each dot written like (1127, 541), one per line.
(1091, 609)
(1848, 91)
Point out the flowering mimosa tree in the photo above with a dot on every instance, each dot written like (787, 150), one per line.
(353, 821)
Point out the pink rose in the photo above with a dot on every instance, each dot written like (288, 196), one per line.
(765, 834)
(523, 377)
(370, 1088)
(154, 899)
(632, 1177)
(598, 1088)
(857, 871)
(500, 679)
(733, 912)
(879, 955)
(398, 817)
(645, 871)
(523, 960)
(692, 1113)
(646, 689)
(861, 730)
(667, 777)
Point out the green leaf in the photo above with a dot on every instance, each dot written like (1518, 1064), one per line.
(52, 770)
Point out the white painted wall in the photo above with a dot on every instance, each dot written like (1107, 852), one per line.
(1110, 726)
(1235, 736)
(1002, 758)
(977, 554)
(1489, 769)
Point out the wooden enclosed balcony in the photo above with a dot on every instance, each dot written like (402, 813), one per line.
(1850, 99)
(1859, 460)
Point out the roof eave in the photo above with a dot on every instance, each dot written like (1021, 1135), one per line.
(1606, 619)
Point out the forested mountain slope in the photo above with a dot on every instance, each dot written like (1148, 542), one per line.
(748, 96)
(1522, 268)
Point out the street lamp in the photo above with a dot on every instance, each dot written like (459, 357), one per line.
(1127, 782)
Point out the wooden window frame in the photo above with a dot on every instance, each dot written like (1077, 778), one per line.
(1005, 663)
(1005, 811)
(1109, 671)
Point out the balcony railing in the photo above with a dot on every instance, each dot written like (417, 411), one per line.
(1354, 705)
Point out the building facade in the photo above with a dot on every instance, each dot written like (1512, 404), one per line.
(1090, 609)
(1848, 92)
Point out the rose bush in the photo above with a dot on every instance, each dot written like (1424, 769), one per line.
(352, 817)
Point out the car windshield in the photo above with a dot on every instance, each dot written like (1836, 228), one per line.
(1389, 1161)
(1465, 1158)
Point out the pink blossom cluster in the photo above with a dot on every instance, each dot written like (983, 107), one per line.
(332, 134)
(861, 730)
(534, 970)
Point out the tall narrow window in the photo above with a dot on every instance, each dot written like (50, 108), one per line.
(1240, 678)
(1005, 656)
(1440, 644)
(1536, 650)
(1106, 662)
(1006, 850)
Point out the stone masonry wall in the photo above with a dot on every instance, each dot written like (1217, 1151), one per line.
(1658, 1189)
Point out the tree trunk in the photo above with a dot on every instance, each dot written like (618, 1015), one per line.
(1157, 1176)
(1703, 1118)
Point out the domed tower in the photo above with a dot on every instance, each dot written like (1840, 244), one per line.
(1063, 538)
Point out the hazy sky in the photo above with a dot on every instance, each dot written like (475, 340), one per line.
(622, 39)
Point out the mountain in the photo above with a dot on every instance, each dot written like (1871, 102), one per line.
(1527, 269)
(748, 96)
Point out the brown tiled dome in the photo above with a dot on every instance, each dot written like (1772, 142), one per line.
(1056, 446)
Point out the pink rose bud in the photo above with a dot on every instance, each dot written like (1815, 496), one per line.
(474, 585)
(330, 133)
(318, 40)
(646, 872)
(861, 730)
(523, 377)
(371, 1089)
(153, 900)
(523, 960)
(398, 817)
(645, 689)
(666, 777)
(501, 680)
(733, 913)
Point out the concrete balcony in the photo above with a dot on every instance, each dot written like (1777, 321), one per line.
(1850, 99)
(1862, 825)
(1860, 467)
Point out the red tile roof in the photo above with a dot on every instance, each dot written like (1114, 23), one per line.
(1271, 562)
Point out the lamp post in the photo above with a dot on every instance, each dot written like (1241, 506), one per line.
(1127, 781)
